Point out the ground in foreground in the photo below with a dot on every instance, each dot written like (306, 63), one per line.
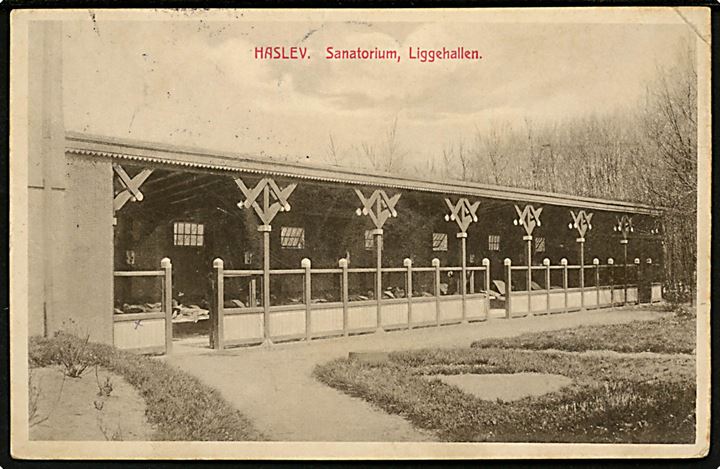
(613, 397)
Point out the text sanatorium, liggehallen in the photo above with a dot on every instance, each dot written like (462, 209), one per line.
(332, 53)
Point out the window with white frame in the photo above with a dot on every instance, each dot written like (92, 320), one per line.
(369, 240)
(292, 237)
(188, 233)
(440, 242)
(494, 243)
(539, 244)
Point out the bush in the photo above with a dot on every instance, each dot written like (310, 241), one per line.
(678, 294)
(179, 406)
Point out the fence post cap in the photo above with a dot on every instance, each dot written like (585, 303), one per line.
(485, 261)
(435, 262)
(507, 261)
(165, 263)
(546, 262)
(611, 261)
(343, 262)
(407, 262)
(596, 261)
(218, 263)
(305, 263)
(637, 260)
(563, 261)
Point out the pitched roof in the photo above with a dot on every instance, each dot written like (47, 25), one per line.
(171, 155)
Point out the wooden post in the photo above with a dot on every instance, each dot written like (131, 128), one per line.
(344, 266)
(436, 264)
(252, 293)
(563, 262)
(637, 281)
(265, 230)
(378, 237)
(611, 268)
(407, 262)
(217, 336)
(463, 266)
(624, 242)
(546, 263)
(528, 258)
(650, 276)
(306, 264)
(582, 272)
(166, 265)
(508, 287)
(486, 265)
(596, 263)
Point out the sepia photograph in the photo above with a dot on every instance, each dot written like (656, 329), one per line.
(360, 234)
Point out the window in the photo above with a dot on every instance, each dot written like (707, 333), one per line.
(370, 240)
(494, 243)
(539, 244)
(188, 233)
(440, 242)
(292, 237)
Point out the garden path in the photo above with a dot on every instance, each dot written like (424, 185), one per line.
(274, 386)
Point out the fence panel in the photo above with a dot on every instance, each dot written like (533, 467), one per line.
(143, 313)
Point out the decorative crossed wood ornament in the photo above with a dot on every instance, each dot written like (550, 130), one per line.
(657, 226)
(528, 218)
(131, 186)
(624, 226)
(581, 222)
(274, 199)
(462, 212)
(379, 207)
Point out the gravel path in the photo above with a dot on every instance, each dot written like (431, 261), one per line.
(274, 386)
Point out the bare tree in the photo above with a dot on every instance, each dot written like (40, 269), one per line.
(669, 171)
(332, 150)
(456, 161)
(388, 155)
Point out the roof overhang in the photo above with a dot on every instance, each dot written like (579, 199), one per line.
(185, 157)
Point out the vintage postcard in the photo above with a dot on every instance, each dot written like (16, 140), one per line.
(348, 234)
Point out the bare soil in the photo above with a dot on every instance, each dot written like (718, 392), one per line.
(70, 409)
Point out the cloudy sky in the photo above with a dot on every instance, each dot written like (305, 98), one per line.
(196, 82)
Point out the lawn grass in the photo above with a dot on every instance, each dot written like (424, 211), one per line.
(179, 407)
(670, 334)
(613, 398)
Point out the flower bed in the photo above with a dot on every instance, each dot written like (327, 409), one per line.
(179, 406)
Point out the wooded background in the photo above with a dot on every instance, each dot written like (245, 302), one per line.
(645, 152)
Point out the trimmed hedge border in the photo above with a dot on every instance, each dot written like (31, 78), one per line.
(179, 406)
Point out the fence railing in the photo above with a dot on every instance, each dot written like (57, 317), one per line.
(566, 288)
(312, 303)
(145, 327)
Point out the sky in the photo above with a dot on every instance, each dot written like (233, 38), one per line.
(196, 82)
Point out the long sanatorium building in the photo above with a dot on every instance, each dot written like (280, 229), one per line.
(138, 242)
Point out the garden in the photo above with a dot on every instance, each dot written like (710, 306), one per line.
(630, 383)
(80, 390)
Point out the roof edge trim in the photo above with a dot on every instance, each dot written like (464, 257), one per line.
(111, 147)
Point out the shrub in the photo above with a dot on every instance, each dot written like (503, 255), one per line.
(73, 353)
(678, 293)
(178, 405)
